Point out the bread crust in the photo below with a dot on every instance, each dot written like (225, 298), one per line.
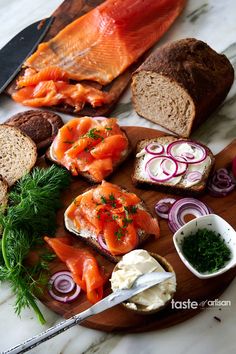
(92, 241)
(200, 71)
(194, 190)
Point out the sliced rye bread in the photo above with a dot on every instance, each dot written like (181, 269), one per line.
(41, 126)
(18, 153)
(140, 179)
(3, 193)
(181, 84)
(86, 175)
(91, 239)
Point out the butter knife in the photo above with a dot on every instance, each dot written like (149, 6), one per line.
(142, 283)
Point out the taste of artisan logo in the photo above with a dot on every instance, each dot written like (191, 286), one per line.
(193, 305)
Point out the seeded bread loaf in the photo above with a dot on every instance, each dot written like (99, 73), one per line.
(91, 238)
(18, 153)
(40, 126)
(181, 84)
(141, 179)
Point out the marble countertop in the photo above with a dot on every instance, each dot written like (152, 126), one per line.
(214, 22)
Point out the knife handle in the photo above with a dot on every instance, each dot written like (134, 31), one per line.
(49, 333)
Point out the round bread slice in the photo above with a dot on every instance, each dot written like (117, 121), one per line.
(18, 153)
(40, 126)
(3, 192)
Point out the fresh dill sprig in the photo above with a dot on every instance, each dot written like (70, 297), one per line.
(31, 213)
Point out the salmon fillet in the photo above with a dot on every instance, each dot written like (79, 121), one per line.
(100, 45)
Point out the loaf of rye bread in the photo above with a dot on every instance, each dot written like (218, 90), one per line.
(141, 179)
(181, 84)
(90, 238)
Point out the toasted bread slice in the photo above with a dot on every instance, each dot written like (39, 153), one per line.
(180, 186)
(18, 153)
(91, 238)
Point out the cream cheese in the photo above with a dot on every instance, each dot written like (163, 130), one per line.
(182, 148)
(131, 266)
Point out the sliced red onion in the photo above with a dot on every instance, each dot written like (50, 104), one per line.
(221, 183)
(234, 167)
(62, 287)
(182, 168)
(154, 149)
(163, 206)
(194, 176)
(102, 242)
(183, 207)
(167, 176)
(186, 155)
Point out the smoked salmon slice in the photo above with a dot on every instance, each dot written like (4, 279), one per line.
(100, 45)
(89, 145)
(97, 47)
(83, 266)
(113, 214)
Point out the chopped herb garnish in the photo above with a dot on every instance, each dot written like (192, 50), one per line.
(103, 199)
(108, 128)
(93, 134)
(120, 233)
(111, 197)
(126, 222)
(114, 217)
(206, 250)
(133, 209)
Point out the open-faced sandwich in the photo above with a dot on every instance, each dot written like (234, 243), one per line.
(173, 165)
(110, 219)
(90, 147)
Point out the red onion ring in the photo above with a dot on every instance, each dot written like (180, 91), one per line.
(163, 206)
(159, 149)
(183, 207)
(191, 160)
(234, 167)
(102, 242)
(152, 176)
(194, 176)
(221, 183)
(61, 284)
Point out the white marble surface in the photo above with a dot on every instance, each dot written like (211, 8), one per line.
(214, 22)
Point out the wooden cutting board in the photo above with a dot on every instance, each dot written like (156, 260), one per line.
(67, 12)
(188, 286)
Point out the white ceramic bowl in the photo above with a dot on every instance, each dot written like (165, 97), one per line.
(211, 222)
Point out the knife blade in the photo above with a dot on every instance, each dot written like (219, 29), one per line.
(14, 53)
(142, 283)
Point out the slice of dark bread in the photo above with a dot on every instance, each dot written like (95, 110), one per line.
(91, 239)
(40, 126)
(86, 175)
(141, 179)
(181, 84)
